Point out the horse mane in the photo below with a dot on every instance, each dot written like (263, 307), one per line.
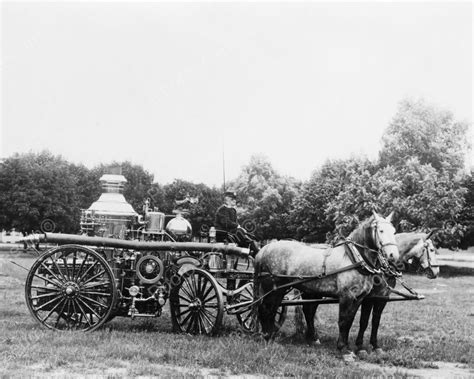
(362, 234)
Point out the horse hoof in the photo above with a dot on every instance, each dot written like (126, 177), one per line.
(317, 342)
(349, 357)
(362, 354)
(378, 351)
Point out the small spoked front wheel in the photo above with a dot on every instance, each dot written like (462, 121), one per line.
(71, 287)
(197, 304)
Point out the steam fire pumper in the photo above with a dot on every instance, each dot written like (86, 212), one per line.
(125, 264)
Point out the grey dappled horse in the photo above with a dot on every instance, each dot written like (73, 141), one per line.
(280, 263)
(416, 247)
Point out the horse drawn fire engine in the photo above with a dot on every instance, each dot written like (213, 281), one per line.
(127, 265)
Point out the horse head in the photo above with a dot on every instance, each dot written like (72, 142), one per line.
(427, 259)
(420, 248)
(383, 236)
(377, 235)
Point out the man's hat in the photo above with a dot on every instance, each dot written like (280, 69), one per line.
(230, 194)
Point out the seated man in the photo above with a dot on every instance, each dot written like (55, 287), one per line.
(227, 227)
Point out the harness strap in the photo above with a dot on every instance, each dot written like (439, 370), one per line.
(406, 286)
(303, 279)
(358, 257)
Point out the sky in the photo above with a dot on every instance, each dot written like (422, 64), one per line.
(177, 87)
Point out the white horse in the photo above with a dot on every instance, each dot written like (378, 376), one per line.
(331, 272)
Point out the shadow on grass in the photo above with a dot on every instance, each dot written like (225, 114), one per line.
(450, 271)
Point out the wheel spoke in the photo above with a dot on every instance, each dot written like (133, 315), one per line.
(87, 271)
(190, 287)
(183, 322)
(204, 296)
(105, 294)
(193, 284)
(197, 323)
(52, 273)
(187, 300)
(81, 267)
(44, 295)
(47, 303)
(192, 323)
(185, 290)
(66, 266)
(43, 288)
(60, 313)
(86, 298)
(75, 313)
(48, 280)
(93, 277)
(53, 260)
(205, 314)
(183, 312)
(74, 258)
(54, 308)
(212, 297)
(100, 284)
(200, 285)
(83, 313)
(88, 307)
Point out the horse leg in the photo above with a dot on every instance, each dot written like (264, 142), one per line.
(376, 316)
(347, 310)
(267, 310)
(309, 311)
(365, 311)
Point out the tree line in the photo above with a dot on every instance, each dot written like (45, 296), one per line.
(420, 174)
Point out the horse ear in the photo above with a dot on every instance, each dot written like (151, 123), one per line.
(431, 233)
(389, 217)
(375, 214)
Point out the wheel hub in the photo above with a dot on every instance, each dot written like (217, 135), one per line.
(195, 305)
(70, 289)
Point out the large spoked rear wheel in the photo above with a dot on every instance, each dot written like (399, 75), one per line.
(248, 319)
(71, 287)
(197, 304)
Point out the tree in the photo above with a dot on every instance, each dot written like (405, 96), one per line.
(428, 148)
(429, 134)
(466, 216)
(265, 199)
(39, 192)
(308, 215)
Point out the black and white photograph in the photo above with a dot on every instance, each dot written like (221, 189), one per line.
(236, 189)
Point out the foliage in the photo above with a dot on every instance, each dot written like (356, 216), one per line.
(39, 187)
(421, 131)
(309, 209)
(466, 216)
(265, 199)
(344, 192)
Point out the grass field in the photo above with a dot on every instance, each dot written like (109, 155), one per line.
(417, 337)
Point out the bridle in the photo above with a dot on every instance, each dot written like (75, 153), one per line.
(426, 248)
(380, 255)
(376, 235)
